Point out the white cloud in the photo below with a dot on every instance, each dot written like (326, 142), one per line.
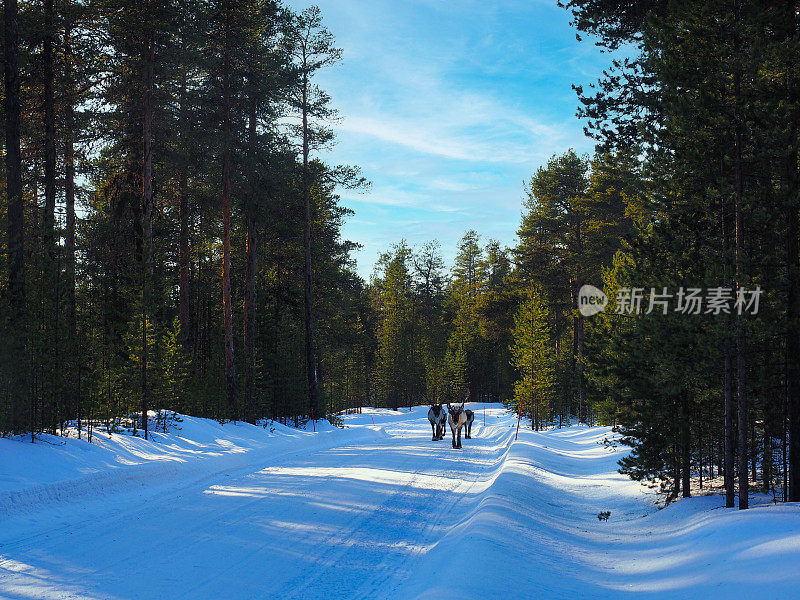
(448, 108)
(429, 116)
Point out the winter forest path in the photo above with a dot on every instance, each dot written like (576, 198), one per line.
(382, 513)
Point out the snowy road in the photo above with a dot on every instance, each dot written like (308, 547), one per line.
(383, 512)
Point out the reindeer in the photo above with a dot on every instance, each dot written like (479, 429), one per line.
(457, 417)
(468, 426)
(437, 417)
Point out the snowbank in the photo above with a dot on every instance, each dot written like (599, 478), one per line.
(533, 528)
(376, 510)
(56, 469)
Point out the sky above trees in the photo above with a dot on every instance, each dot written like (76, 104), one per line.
(448, 107)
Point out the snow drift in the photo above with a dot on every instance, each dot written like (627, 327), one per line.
(376, 510)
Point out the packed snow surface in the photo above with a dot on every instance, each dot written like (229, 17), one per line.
(373, 511)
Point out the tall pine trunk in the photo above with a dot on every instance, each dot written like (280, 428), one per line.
(48, 220)
(251, 266)
(54, 395)
(686, 445)
(793, 333)
(741, 364)
(793, 277)
(73, 373)
(16, 219)
(582, 408)
(729, 473)
(311, 366)
(73, 376)
(578, 323)
(227, 306)
(147, 219)
(183, 214)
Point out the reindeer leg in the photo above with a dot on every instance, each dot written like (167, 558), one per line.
(433, 432)
(459, 437)
(453, 431)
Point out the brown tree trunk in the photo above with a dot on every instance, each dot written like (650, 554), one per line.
(227, 307)
(147, 219)
(578, 324)
(15, 215)
(686, 443)
(183, 219)
(311, 367)
(784, 450)
(251, 266)
(793, 276)
(73, 391)
(700, 460)
(582, 408)
(741, 364)
(676, 475)
(793, 336)
(753, 452)
(48, 219)
(16, 232)
(729, 438)
(73, 397)
(249, 311)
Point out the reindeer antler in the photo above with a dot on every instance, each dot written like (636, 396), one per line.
(428, 400)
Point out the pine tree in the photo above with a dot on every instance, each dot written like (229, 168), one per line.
(312, 48)
(395, 368)
(534, 359)
(465, 352)
(15, 330)
(552, 250)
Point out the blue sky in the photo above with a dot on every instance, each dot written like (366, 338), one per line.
(448, 107)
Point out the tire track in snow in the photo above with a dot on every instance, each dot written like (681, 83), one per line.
(436, 527)
(390, 565)
(171, 536)
(106, 546)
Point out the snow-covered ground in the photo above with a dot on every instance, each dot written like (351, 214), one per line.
(373, 511)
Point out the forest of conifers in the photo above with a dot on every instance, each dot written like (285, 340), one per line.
(173, 240)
